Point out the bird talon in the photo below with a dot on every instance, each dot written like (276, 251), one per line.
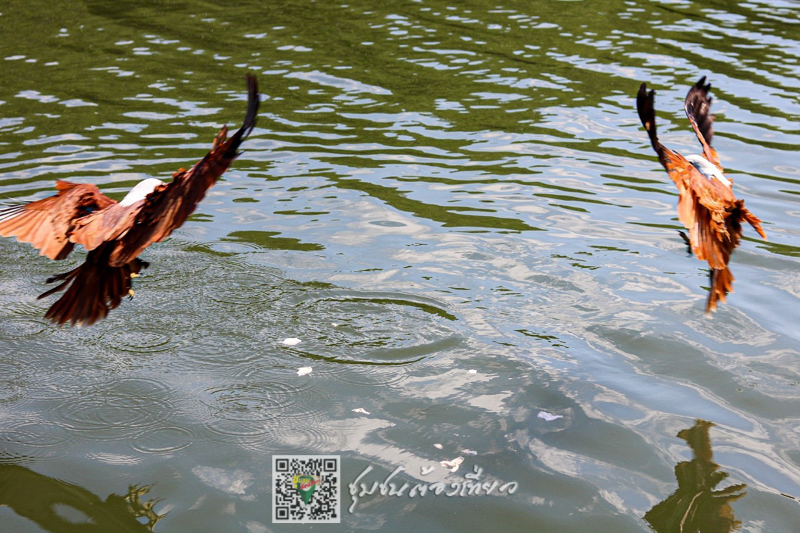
(687, 241)
(130, 294)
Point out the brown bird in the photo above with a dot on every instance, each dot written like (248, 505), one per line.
(706, 204)
(115, 233)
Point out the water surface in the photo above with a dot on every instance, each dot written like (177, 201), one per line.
(432, 188)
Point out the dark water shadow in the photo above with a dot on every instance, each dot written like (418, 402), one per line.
(62, 507)
(695, 506)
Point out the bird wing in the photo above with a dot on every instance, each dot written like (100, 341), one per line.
(48, 223)
(168, 206)
(698, 106)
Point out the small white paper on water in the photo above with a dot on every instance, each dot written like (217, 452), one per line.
(452, 465)
(473, 371)
(291, 341)
(548, 416)
(360, 410)
(438, 446)
(469, 452)
(304, 370)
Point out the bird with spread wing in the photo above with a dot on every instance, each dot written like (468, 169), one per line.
(706, 204)
(115, 233)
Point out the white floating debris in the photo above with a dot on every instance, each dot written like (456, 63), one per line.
(236, 482)
(304, 370)
(291, 341)
(452, 465)
(469, 452)
(473, 371)
(425, 470)
(360, 410)
(334, 324)
(548, 416)
(438, 446)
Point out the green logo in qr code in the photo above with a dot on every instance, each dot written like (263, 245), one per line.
(305, 486)
(306, 489)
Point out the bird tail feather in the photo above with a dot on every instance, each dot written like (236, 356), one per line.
(721, 281)
(92, 290)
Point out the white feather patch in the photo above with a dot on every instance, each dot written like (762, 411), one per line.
(141, 190)
(708, 169)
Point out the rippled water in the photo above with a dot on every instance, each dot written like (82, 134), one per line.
(432, 189)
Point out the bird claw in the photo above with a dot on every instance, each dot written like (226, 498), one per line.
(130, 294)
(687, 241)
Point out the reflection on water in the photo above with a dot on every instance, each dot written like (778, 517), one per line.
(59, 506)
(695, 505)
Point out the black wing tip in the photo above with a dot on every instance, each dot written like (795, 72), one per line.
(249, 122)
(641, 98)
(253, 102)
(644, 95)
(698, 109)
(252, 83)
(702, 85)
(699, 90)
(645, 106)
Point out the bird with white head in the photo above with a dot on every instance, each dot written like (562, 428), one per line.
(115, 233)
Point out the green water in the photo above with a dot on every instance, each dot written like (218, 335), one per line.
(432, 189)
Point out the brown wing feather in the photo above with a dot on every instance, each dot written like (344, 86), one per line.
(698, 106)
(48, 223)
(705, 210)
(168, 207)
(103, 226)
